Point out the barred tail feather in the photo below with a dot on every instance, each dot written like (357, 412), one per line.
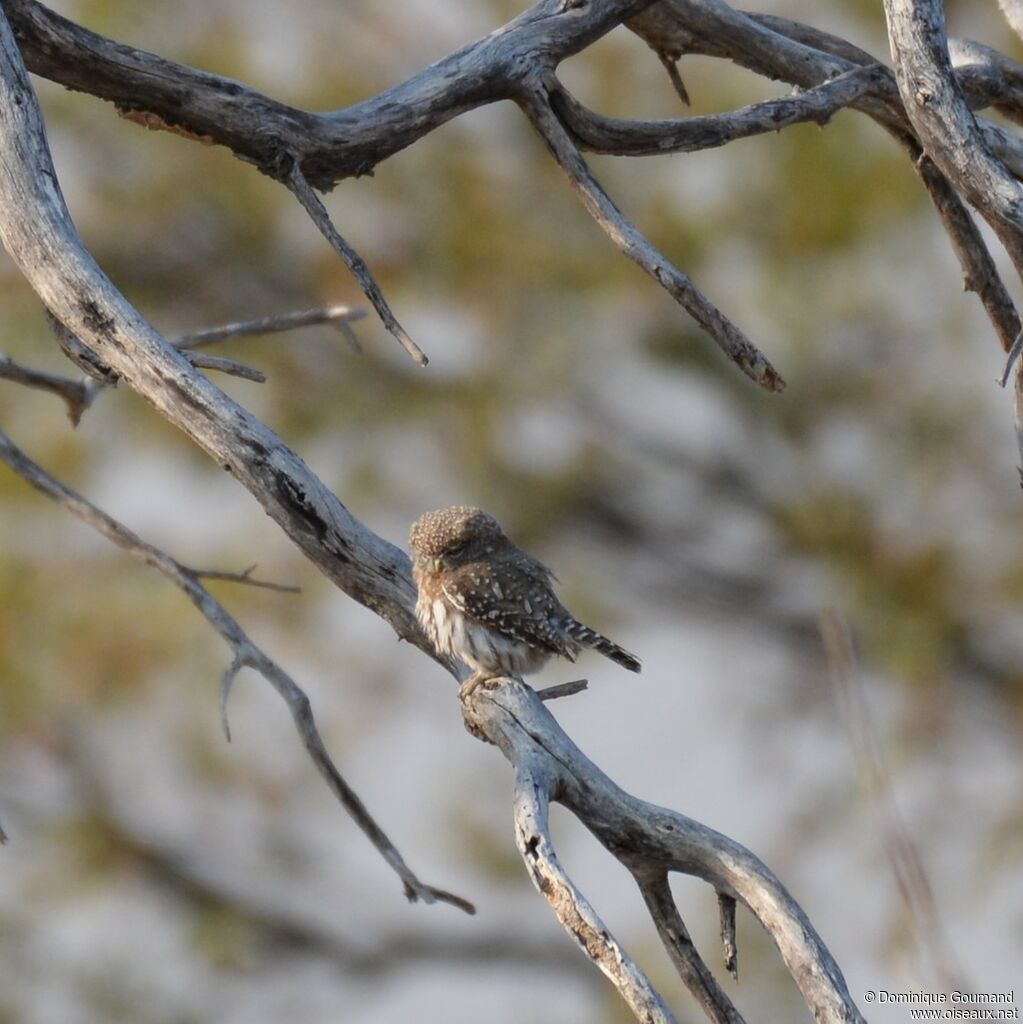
(586, 637)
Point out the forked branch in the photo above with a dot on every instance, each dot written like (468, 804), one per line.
(245, 654)
(650, 841)
(628, 238)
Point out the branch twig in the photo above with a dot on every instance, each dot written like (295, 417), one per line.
(563, 689)
(805, 56)
(231, 367)
(246, 654)
(313, 205)
(684, 955)
(620, 137)
(80, 394)
(246, 577)
(638, 248)
(339, 316)
(77, 394)
(533, 836)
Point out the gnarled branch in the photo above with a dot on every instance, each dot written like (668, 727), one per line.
(650, 841)
(246, 654)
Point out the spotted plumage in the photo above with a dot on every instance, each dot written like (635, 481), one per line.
(488, 603)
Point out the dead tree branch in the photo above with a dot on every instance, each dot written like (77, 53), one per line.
(246, 655)
(627, 237)
(77, 394)
(317, 150)
(804, 56)
(952, 136)
(339, 316)
(312, 205)
(650, 841)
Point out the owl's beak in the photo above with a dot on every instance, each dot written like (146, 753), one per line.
(435, 565)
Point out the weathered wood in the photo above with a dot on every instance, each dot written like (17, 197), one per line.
(649, 840)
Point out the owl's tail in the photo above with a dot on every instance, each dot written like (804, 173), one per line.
(586, 637)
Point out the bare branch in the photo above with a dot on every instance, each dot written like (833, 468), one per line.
(684, 955)
(533, 836)
(563, 689)
(687, 135)
(647, 839)
(938, 110)
(246, 653)
(77, 394)
(805, 56)
(229, 366)
(80, 394)
(329, 146)
(246, 577)
(638, 248)
(340, 316)
(952, 136)
(356, 264)
(38, 232)
(726, 909)
(988, 77)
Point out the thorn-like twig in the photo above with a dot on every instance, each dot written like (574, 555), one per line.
(232, 367)
(563, 689)
(226, 683)
(670, 63)
(729, 947)
(77, 394)
(341, 317)
(313, 205)
(627, 237)
(246, 577)
(1011, 357)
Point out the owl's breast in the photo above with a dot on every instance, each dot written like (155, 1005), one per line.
(482, 647)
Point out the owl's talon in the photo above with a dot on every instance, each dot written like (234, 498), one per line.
(474, 682)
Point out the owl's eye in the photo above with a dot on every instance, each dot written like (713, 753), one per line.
(457, 549)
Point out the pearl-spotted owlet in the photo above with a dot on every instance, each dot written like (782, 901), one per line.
(488, 603)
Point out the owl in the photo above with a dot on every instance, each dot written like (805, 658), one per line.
(489, 603)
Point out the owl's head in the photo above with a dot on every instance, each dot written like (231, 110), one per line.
(454, 536)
